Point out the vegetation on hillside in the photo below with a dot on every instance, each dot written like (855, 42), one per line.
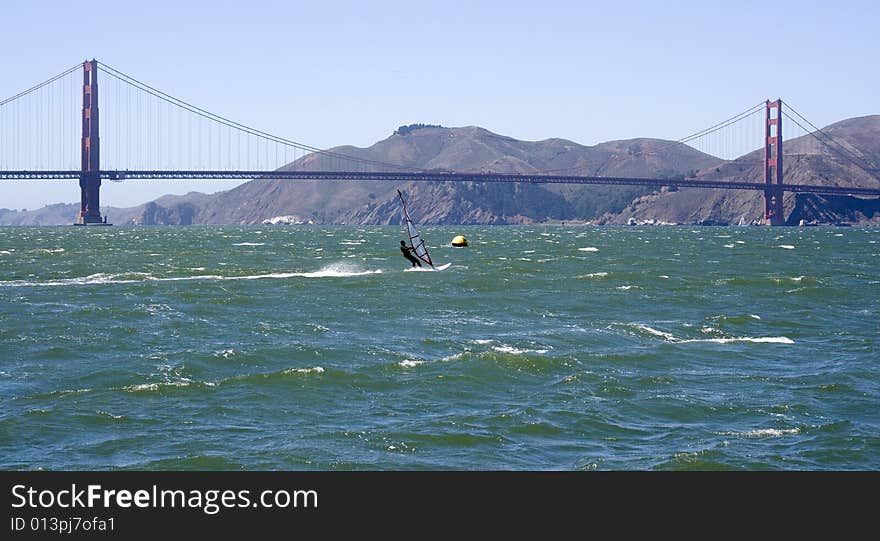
(404, 130)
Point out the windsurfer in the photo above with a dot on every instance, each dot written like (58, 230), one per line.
(406, 253)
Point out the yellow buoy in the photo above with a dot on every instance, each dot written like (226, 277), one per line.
(459, 241)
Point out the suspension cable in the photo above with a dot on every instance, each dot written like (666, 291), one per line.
(41, 85)
(838, 149)
(732, 120)
(236, 125)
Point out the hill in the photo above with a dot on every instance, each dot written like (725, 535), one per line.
(474, 149)
(469, 149)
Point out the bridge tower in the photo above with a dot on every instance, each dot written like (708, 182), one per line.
(90, 173)
(773, 211)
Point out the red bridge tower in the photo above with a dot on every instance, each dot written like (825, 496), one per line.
(90, 176)
(773, 212)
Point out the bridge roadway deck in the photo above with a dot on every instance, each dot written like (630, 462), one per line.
(429, 176)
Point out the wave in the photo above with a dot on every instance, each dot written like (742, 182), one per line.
(517, 351)
(759, 340)
(454, 356)
(103, 413)
(312, 370)
(185, 382)
(249, 244)
(594, 275)
(339, 270)
(763, 433)
(729, 340)
(767, 280)
(655, 332)
(409, 363)
(92, 279)
(334, 270)
(151, 387)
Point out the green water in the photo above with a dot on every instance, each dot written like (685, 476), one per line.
(539, 348)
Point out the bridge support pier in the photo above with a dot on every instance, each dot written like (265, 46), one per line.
(774, 214)
(90, 178)
(90, 199)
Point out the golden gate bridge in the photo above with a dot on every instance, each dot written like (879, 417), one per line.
(157, 136)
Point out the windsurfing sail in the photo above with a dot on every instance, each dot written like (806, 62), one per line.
(415, 239)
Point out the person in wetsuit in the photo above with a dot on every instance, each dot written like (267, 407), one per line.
(407, 253)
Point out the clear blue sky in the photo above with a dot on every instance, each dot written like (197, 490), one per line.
(335, 72)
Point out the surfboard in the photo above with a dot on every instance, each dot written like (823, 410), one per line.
(428, 269)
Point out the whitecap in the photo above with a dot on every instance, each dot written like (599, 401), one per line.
(92, 279)
(764, 432)
(408, 363)
(759, 340)
(454, 356)
(339, 270)
(517, 351)
(594, 275)
(156, 386)
(787, 246)
(627, 287)
(313, 370)
(655, 332)
(70, 391)
(249, 244)
(141, 387)
(588, 249)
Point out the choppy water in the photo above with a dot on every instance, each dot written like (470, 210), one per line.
(540, 348)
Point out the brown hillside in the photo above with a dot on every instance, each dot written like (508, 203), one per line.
(468, 149)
